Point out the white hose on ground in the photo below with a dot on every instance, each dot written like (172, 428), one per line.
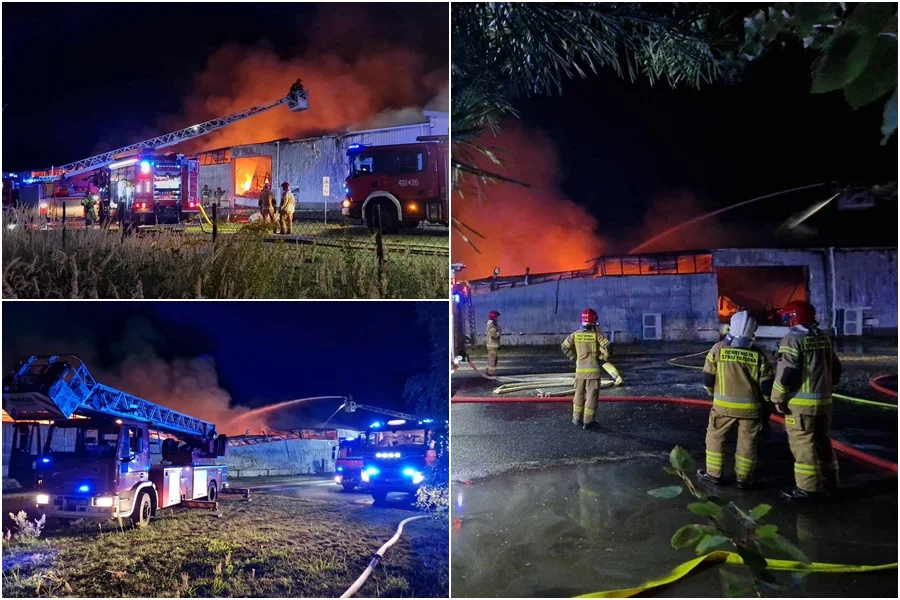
(377, 558)
(548, 382)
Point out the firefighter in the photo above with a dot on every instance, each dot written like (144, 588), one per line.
(218, 195)
(589, 348)
(739, 379)
(286, 209)
(267, 204)
(492, 341)
(205, 195)
(297, 86)
(808, 369)
(90, 208)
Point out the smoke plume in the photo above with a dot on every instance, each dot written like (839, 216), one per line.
(378, 87)
(188, 385)
(536, 227)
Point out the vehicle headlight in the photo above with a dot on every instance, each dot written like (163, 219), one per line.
(337, 478)
(345, 204)
(418, 478)
(364, 476)
(43, 499)
(105, 501)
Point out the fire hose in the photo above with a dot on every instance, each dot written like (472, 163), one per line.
(377, 558)
(872, 382)
(734, 558)
(521, 385)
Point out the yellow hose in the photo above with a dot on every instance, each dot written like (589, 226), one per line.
(671, 361)
(735, 559)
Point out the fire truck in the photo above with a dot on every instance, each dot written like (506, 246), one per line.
(153, 189)
(462, 316)
(349, 462)
(109, 454)
(140, 186)
(397, 454)
(405, 183)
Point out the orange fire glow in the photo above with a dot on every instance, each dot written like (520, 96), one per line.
(536, 227)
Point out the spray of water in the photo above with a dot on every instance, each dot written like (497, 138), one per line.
(263, 410)
(708, 215)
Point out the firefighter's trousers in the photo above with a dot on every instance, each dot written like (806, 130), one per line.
(748, 438)
(492, 361)
(814, 460)
(268, 215)
(286, 222)
(587, 393)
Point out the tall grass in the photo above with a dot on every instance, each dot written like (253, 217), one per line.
(97, 263)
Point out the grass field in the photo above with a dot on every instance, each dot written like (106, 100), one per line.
(271, 547)
(96, 263)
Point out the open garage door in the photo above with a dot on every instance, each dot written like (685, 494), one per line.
(760, 290)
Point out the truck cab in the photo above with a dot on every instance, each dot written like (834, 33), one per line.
(399, 455)
(153, 189)
(349, 462)
(406, 184)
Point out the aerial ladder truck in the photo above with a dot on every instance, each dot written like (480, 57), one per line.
(140, 186)
(109, 454)
(396, 453)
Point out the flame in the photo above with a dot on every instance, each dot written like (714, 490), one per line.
(248, 180)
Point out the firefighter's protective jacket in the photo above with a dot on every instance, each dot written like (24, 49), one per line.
(266, 200)
(588, 348)
(287, 202)
(807, 371)
(492, 337)
(738, 379)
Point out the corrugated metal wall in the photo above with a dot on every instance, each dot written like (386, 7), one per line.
(304, 163)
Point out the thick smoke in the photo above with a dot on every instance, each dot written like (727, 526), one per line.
(536, 227)
(375, 88)
(188, 385)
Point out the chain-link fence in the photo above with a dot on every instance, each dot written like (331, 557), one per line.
(320, 254)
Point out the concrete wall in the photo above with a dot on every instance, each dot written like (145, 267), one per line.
(867, 279)
(545, 313)
(283, 457)
(304, 163)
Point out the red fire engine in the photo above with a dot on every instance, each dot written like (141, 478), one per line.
(406, 183)
(153, 189)
(109, 454)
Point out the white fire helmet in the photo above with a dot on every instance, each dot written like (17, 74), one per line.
(742, 325)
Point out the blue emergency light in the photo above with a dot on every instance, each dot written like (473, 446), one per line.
(354, 147)
(456, 298)
(84, 488)
(372, 470)
(45, 460)
(340, 469)
(376, 424)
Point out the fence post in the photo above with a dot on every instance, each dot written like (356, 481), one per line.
(215, 220)
(379, 253)
(64, 225)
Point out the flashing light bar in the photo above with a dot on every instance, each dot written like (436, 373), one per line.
(123, 163)
(355, 146)
(397, 422)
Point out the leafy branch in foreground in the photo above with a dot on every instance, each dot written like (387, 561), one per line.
(729, 527)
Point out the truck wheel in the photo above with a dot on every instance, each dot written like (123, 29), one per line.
(379, 496)
(388, 218)
(212, 493)
(348, 487)
(140, 516)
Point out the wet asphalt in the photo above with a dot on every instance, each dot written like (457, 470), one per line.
(543, 508)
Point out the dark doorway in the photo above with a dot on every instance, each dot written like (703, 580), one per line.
(760, 290)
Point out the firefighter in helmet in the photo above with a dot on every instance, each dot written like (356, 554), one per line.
(589, 348)
(218, 195)
(205, 195)
(90, 208)
(739, 379)
(286, 209)
(267, 204)
(297, 86)
(492, 341)
(807, 372)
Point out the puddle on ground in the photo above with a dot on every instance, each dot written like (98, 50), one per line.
(576, 530)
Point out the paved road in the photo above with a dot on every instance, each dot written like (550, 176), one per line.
(327, 490)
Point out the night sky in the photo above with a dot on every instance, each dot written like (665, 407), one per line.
(79, 76)
(263, 352)
(622, 143)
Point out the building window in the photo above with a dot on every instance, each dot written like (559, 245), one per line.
(250, 174)
(658, 264)
(216, 157)
(652, 326)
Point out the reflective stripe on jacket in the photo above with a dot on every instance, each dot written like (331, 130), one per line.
(737, 379)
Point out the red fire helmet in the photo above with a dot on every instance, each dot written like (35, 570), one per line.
(493, 315)
(799, 312)
(589, 315)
